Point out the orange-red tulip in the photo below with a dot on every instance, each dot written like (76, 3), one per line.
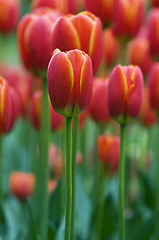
(125, 93)
(108, 150)
(69, 79)
(82, 31)
(9, 15)
(98, 106)
(52, 185)
(21, 184)
(155, 3)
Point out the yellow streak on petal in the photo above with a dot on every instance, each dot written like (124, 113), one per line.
(72, 73)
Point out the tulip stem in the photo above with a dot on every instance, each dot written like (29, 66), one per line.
(74, 153)
(68, 177)
(122, 181)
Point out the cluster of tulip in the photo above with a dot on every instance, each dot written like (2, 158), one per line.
(86, 64)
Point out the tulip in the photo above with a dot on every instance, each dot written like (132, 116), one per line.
(69, 79)
(64, 6)
(52, 185)
(34, 36)
(129, 17)
(98, 106)
(139, 53)
(153, 85)
(35, 113)
(9, 15)
(153, 35)
(108, 150)
(103, 9)
(5, 107)
(82, 31)
(125, 93)
(21, 184)
(147, 116)
(155, 3)
(111, 47)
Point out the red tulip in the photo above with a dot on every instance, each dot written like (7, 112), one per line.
(153, 85)
(128, 17)
(69, 79)
(139, 53)
(21, 184)
(155, 3)
(82, 31)
(52, 185)
(111, 47)
(9, 15)
(35, 113)
(125, 93)
(153, 34)
(65, 6)
(108, 150)
(147, 116)
(98, 106)
(34, 36)
(5, 106)
(103, 9)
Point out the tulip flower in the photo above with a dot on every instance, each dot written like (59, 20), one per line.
(153, 85)
(34, 36)
(153, 35)
(21, 184)
(52, 185)
(108, 150)
(103, 9)
(64, 6)
(9, 15)
(82, 31)
(111, 47)
(139, 53)
(147, 116)
(128, 17)
(70, 79)
(125, 99)
(98, 106)
(154, 3)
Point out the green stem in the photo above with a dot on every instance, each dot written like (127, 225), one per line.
(122, 181)
(84, 149)
(68, 177)
(74, 153)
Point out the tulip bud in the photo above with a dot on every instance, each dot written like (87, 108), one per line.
(82, 31)
(147, 116)
(52, 185)
(155, 3)
(108, 150)
(21, 184)
(98, 106)
(9, 15)
(139, 53)
(69, 79)
(125, 93)
(153, 85)
(5, 106)
(64, 6)
(129, 17)
(111, 47)
(102, 9)
(34, 36)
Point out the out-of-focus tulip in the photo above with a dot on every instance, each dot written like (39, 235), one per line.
(153, 33)
(22, 184)
(52, 185)
(111, 47)
(108, 150)
(98, 106)
(155, 3)
(103, 9)
(64, 6)
(153, 85)
(69, 79)
(83, 118)
(35, 113)
(125, 93)
(5, 106)
(147, 116)
(34, 36)
(9, 15)
(129, 16)
(139, 53)
(82, 31)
